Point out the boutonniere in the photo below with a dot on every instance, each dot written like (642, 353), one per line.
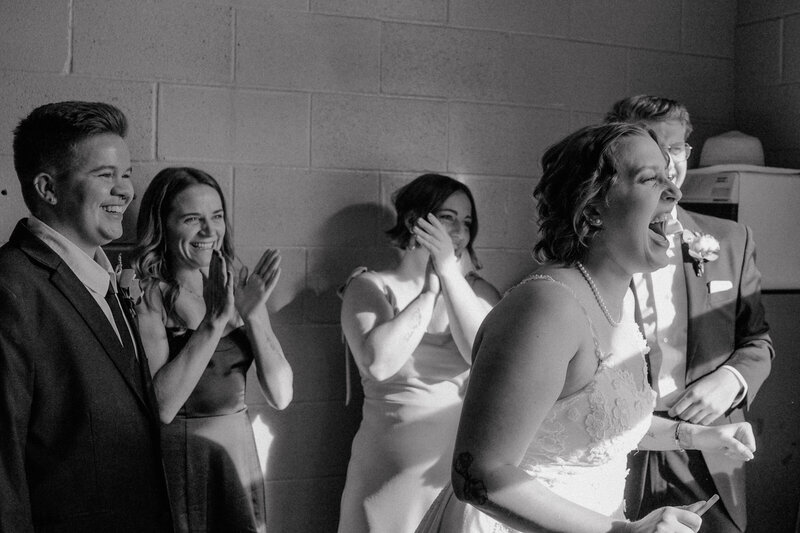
(702, 248)
(127, 286)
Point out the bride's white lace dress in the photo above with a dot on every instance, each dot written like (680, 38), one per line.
(580, 450)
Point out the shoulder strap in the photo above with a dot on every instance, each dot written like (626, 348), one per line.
(340, 292)
(354, 274)
(537, 277)
(347, 352)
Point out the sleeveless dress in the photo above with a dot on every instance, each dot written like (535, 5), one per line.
(580, 450)
(401, 454)
(213, 473)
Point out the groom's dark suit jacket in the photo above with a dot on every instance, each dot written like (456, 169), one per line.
(79, 436)
(726, 327)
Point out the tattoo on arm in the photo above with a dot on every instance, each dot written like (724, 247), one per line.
(416, 320)
(474, 489)
(273, 346)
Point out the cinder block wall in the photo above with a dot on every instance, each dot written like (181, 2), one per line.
(767, 105)
(768, 77)
(311, 112)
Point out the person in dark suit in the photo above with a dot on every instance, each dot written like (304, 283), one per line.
(710, 349)
(79, 437)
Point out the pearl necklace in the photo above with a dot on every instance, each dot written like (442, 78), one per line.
(596, 293)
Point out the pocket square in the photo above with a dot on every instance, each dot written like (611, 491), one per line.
(719, 285)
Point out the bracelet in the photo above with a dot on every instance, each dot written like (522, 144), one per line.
(677, 435)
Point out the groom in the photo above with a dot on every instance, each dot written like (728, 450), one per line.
(710, 349)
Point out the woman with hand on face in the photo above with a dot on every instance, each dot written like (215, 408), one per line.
(202, 327)
(410, 330)
(558, 393)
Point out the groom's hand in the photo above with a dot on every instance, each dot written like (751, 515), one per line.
(708, 398)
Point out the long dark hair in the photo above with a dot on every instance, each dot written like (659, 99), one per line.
(152, 262)
(424, 195)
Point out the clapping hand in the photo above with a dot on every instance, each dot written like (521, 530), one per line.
(433, 236)
(218, 290)
(254, 289)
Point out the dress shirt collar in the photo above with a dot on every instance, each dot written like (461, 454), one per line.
(95, 273)
(673, 224)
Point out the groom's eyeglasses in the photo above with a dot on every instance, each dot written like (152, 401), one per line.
(679, 152)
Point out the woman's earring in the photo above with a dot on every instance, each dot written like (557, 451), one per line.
(412, 242)
(597, 221)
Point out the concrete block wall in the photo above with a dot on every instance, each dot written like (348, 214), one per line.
(767, 105)
(311, 112)
(767, 95)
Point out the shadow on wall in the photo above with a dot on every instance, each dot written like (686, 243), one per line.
(305, 449)
(353, 237)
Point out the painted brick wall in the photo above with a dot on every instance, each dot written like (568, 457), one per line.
(311, 112)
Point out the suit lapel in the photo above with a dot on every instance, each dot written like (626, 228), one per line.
(637, 317)
(696, 293)
(86, 307)
(143, 364)
(98, 323)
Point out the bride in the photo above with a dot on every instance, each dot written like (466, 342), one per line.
(558, 393)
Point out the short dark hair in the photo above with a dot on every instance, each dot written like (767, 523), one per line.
(578, 172)
(151, 258)
(45, 140)
(424, 195)
(642, 108)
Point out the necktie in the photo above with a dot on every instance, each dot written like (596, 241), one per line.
(139, 371)
(119, 319)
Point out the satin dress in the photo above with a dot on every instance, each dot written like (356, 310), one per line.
(401, 454)
(214, 476)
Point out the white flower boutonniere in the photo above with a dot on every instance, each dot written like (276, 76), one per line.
(127, 286)
(702, 248)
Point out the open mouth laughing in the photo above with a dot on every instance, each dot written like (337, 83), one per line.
(658, 227)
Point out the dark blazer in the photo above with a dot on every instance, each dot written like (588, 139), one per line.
(79, 435)
(726, 327)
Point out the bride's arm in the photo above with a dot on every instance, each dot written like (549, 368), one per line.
(734, 440)
(522, 363)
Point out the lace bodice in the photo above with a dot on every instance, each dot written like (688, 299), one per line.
(580, 450)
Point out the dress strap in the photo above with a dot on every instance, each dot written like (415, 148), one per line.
(347, 354)
(354, 274)
(536, 277)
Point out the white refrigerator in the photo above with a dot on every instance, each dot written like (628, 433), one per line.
(766, 199)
